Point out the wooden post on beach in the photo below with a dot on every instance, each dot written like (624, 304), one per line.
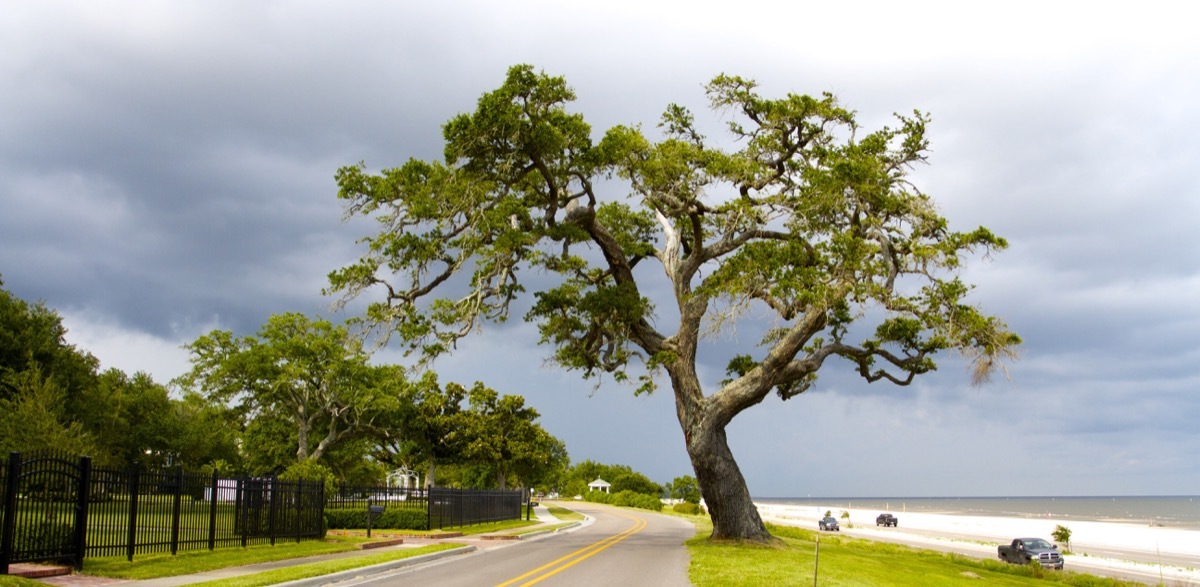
(816, 560)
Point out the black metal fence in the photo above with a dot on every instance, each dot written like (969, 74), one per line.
(61, 509)
(462, 507)
(143, 511)
(45, 509)
(360, 496)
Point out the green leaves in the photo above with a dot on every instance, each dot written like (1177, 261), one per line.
(811, 222)
(298, 374)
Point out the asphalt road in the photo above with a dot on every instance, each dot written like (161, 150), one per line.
(614, 547)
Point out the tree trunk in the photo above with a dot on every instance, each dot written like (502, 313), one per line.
(429, 474)
(301, 440)
(734, 515)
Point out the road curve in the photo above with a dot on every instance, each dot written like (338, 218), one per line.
(615, 546)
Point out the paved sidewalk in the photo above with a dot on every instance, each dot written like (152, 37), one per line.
(473, 543)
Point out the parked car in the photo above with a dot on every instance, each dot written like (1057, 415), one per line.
(1024, 551)
(887, 520)
(829, 523)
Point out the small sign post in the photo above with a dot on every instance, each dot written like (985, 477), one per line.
(373, 511)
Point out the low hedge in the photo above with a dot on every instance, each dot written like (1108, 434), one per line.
(627, 499)
(392, 519)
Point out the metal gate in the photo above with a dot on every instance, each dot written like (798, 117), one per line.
(45, 509)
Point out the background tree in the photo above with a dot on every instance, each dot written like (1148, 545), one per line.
(620, 477)
(52, 395)
(503, 436)
(426, 429)
(685, 488)
(32, 335)
(306, 373)
(133, 419)
(209, 434)
(812, 221)
(543, 464)
(32, 417)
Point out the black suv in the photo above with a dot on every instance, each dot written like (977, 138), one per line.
(887, 520)
(829, 523)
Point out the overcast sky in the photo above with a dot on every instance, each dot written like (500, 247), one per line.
(166, 168)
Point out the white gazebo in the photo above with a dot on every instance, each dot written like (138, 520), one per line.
(403, 478)
(599, 485)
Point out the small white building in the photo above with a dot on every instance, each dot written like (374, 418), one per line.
(599, 485)
(404, 478)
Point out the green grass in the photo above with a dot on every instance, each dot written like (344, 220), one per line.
(155, 565)
(543, 528)
(464, 530)
(324, 568)
(845, 561)
(563, 513)
(791, 560)
(7, 581)
(493, 527)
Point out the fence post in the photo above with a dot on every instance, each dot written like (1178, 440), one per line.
(212, 513)
(240, 517)
(83, 502)
(13, 471)
(177, 513)
(274, 506)
(319, 528)
(299, 510)
(134, 485)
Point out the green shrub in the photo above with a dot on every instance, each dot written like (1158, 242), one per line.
(689, 508)
(392, 519)
(48, 538)
(626, 498)
(637, 500)
(1062, 535)
(598, 497)
(311, 471)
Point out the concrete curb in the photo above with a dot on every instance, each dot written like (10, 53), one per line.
(540, 533)
(375, 569)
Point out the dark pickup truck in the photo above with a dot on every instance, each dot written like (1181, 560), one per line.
(886, 520)
(1024, 551)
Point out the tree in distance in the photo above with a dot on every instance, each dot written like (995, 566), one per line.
(684, 488)
(304, 384)
(812, 220)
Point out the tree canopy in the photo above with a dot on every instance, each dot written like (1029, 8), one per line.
(621, 478)
(54, 396)
(812, 221)
(299, 379)
(488, 437)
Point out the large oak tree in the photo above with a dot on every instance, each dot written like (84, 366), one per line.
(811, 220)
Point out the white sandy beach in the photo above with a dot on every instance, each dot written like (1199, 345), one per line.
(1170, 553)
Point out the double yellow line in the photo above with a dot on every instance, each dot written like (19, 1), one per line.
(561, 564)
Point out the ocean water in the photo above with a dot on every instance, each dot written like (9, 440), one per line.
(1179, 511)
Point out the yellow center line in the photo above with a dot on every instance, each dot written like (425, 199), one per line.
(565, 562)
